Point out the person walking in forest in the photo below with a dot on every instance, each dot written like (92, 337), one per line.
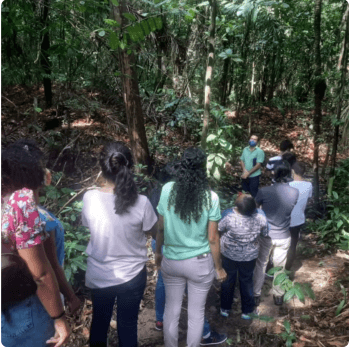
(252, 159)
(242, 227)
(298, 214)
(277, 201)
(188, 227)
(119, 220)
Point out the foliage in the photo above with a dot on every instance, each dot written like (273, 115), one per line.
(288, 335)
(334, 230)
(343, 302)
(76, 236)
(223, 142)
(292, 289)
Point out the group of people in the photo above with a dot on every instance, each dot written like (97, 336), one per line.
(194, 242)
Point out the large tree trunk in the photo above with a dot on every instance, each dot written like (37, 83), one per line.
(44, 60)
(131, 96)
(318, 100)
(208, 77)
(342, 66)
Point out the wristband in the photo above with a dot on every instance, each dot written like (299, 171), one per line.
(59, 316)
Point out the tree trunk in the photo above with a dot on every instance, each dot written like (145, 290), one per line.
(208, 77)
(318, 101)
(342, 66)
(131, 95)
(44, 59)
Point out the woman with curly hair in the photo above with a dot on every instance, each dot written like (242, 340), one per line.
(37, 319)
(119, 220)
(188, 227)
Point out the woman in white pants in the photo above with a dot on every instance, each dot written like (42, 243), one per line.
(188, 227)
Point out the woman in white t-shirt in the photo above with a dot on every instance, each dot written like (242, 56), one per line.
(298, 214)
(118, 219)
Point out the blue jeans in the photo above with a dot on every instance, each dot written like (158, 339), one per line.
(26, 324)
(251, 185)
(160, 298)
(128, 296)
(245, 271)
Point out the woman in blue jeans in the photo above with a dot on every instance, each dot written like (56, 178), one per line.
(118, 219)
(242, 227)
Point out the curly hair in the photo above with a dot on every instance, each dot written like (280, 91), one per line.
(282, 172)
(116, 163)
(22, 166)
(191, 192)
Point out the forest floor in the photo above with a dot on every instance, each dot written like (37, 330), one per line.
(96, 117)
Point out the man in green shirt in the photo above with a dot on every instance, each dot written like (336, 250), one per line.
(252, 159)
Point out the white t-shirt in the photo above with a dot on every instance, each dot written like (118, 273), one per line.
(305, 192)
(117, 249)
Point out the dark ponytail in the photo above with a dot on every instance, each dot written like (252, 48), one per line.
(116, 162)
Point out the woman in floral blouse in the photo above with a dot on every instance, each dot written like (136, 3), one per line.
(39, 319)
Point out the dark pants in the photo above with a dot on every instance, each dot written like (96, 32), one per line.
(294, 234)
(251, 185)
(245, 271)
(128, 296)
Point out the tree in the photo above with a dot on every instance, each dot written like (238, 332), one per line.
(131, 95)
(319, 82)
(209, 73)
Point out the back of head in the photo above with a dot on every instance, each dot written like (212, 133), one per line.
(246, 205)
(289, 157)
(286, 145)
(22, 166)
(282, 172)
(299, 168)
(190, 192)
(116, 163)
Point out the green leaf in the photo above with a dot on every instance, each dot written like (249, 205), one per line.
(73, 217)
(111, 22)
(37, 109)
(308, 291)
(340, 307)
(280, 278)
(113, 40)
(102, 33)
(139, 31)
(158, 22)
(335, 194)
(211, 157)
(68, 272)
(115, 2)
(299, 294)
(129, 16)
(218, 160)
(274, 270)
(305, 317)
(211, 137)
(287, 325)
(289, 295)
(145, 27)
(152, 24)
(217, 174)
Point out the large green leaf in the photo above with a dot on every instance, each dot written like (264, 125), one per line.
(158, 22)
(289, 295)
(129, 16)
(280, 278)
(145, 27)
(287, 325)
(340, 307)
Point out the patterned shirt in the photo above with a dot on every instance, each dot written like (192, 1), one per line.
(240, 241)
(21, 226)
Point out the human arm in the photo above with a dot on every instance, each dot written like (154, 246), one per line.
(159, 241)
(214, 244)
(64, 287)
(48, 291)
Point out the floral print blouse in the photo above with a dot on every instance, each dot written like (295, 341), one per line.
(21, 226)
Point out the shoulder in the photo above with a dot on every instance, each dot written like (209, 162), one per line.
(214, 196)
(245, 149)
(167, 187)
(90, 194)
(276, 158)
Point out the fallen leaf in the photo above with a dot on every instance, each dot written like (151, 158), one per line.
(302, 338)
(298, 344)
(86, 333)
(337, 343)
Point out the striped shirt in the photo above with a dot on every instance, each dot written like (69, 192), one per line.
(240, 241)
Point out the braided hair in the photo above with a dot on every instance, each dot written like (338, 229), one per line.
(191, 192)
(116, 163)
(22, 166)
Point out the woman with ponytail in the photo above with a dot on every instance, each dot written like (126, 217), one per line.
(188, 227)
(119, 219)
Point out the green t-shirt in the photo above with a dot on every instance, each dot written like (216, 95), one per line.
(183, 240)
(251, 158)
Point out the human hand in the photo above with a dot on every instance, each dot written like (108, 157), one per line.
(62, 332)
(245, 175)
(158, 259)
(73, 304)
(221, 275)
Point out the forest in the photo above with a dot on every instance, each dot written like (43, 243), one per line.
(165, 75)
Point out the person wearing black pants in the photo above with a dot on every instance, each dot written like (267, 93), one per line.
(128, 296)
